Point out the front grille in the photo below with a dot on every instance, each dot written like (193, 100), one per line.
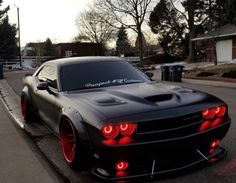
(171, 127)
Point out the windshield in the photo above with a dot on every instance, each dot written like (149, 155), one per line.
(99, 74)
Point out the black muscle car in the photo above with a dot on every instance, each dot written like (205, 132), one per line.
(104, 109)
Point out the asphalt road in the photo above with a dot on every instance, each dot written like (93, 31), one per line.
(222, 171)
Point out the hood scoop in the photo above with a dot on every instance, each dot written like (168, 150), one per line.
(159, 98)
(108, 101)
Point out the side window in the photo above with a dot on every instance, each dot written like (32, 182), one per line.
(51, 76)
(48, 74)
(41, 74)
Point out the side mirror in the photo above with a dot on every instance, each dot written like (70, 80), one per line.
(149, 74)
(42, 86)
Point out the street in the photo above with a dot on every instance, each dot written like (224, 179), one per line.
(222, 171)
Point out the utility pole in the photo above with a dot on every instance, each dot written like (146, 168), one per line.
(18, 17)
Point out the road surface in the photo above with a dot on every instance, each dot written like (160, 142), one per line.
(222, 171)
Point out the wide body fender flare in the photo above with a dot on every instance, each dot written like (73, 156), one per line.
(74, 116)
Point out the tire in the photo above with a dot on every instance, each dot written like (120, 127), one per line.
(26, 111)
(69, 142)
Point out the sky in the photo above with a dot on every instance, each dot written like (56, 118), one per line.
(40, 19)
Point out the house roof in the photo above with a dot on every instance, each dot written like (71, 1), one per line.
(76, 43)
(37, 44)
(34, 44)
(224, 31)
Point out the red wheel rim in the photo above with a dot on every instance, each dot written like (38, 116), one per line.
(68, 141)
(23, 107)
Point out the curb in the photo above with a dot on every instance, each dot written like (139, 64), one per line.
(13, 112)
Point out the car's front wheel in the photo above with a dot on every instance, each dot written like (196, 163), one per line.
(70, 144)
(26, 110)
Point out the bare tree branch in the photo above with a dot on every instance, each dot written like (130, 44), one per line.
(93, 27)
(182, 13)
(129, 13)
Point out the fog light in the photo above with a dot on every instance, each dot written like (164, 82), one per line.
(121, 165)
(212, 151)
(215, 144)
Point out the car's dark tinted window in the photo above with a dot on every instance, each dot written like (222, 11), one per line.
(99, 74)
(48, 74)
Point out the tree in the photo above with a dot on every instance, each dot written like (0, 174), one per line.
(197, 17)
(49, 49)
(4, 11)
(168, 24)
(129, 13)
(227, 11)
(122, 43)
(8, 41)
(92, 27)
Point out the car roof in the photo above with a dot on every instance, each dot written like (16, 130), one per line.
(75, 60)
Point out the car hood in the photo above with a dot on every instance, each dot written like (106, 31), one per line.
(123, 100)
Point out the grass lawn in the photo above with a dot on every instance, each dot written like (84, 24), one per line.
(221, 68)
(225, 71)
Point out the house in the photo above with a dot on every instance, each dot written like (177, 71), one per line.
(219, 44)
(64, 49)
(79, 49)
(33, 49)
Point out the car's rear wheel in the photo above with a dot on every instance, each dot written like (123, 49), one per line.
(69, 144)
(26, 110)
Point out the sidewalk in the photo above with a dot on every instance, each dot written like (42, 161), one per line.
(19, 161)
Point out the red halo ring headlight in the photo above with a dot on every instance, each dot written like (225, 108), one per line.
(127, 129)
(110, 131)
(206, 113)
(220, 111)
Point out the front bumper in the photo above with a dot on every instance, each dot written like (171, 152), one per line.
(158, 158)
(161, 168)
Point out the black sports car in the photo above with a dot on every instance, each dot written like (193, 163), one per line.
(104, 109)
